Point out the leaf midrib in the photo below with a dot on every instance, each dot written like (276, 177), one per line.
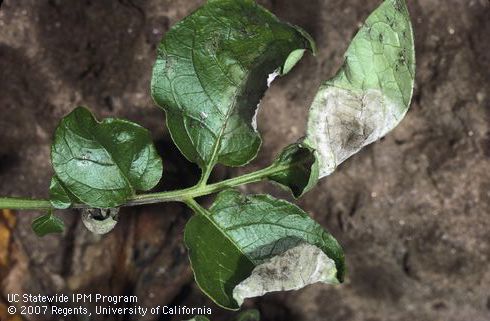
(207, 166)
(96, 138)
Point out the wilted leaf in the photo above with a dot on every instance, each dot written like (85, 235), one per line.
(47, 224)
(240, 232)
(299, 169)
(211, 71)
(102, 163)
(371, 93)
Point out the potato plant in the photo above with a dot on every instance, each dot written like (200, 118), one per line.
(212, 69)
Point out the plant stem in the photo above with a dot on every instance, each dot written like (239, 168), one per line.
(196, 191)
(24, 204)
(183, 195)
(206, 173)
(195, 206)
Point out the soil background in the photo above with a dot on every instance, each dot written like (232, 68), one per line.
(412, 211)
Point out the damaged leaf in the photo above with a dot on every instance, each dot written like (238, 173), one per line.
(238, 233)
(100, 221)
(101, 163)
(371, 93)
(211, 72)
(292, 270)
(47, 224)
(297, 169)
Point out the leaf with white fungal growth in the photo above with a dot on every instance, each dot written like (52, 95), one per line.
(100, 221)
(294, 269)
(47, 224)
(238, 234)
(101, 164)
(212, 69)
(371, 93)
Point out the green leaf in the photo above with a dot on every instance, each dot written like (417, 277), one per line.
(47, 224)
(240, 234)
(371, 93)
(298, 169)
(211, 72)
(59, 196)
(102, 163)
(249, 315)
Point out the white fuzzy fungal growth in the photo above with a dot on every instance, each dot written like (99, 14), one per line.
(100, 221)
(296, 268)
(271, 77)
(342, 122)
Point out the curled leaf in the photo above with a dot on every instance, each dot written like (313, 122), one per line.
(294, 269)
(238, 233)
(211, 72)
(372, 91)
(100, 221)
(296, 168)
